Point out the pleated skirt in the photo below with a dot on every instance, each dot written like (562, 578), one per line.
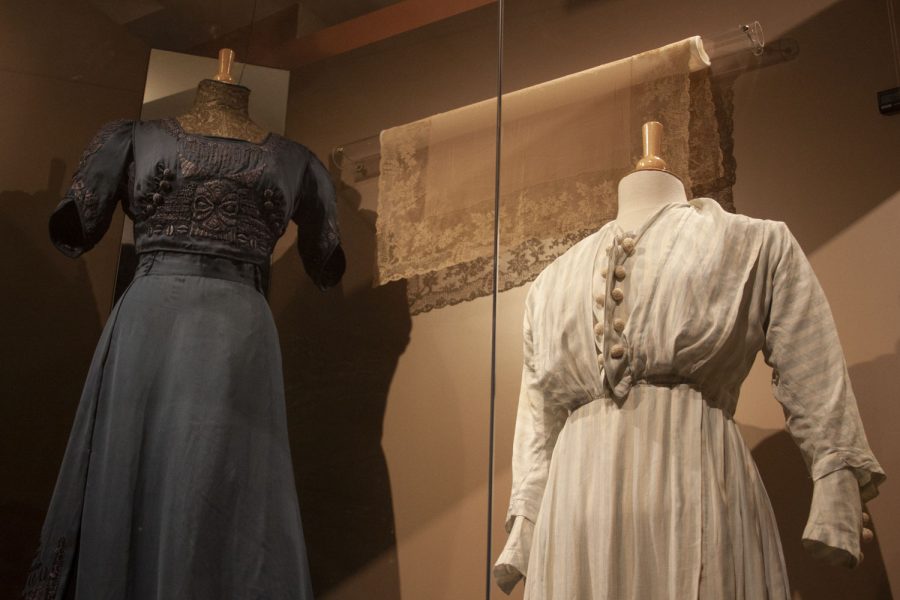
(658, 498)
(177, 480)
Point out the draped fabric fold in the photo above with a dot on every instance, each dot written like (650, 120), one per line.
(566, 143)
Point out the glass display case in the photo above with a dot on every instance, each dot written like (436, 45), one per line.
(471, 144)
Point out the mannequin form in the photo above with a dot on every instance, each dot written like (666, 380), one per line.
(650, 186)
(177, 480)
(642, 487)
(641, 193)
(221, 107)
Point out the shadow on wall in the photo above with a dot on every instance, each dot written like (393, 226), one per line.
(790, 490)
(340, 353)
(833, 110)
(875, 384)
(49, 327)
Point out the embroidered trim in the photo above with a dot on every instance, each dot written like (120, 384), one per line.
(218, 194)
(99, 139)
(87, 202)
(444, 255)
(43, 580)
(85, 199)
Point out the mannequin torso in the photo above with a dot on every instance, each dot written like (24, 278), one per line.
(221, 110)
(641, 193)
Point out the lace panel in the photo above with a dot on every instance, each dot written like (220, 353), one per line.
(559, 171)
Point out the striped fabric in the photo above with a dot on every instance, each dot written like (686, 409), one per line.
(630, 476)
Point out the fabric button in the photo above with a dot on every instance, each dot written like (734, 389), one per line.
(268, 193)
(604, 272)
(600, 359)
(619, 325)
(150, 210)
(157, 198)
(165, 185)
(598, 328)
(167, 173)
(617, 351)
(628, 245)
(617, 294)
(600, 300)
(268, 205)
(620, 272)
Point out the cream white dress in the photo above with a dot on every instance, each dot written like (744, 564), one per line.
(630, 476)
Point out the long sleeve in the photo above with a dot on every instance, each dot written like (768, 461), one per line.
(811, 382)
(537, 428)
(318, 236)
(98, 184)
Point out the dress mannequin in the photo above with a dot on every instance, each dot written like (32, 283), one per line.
(221, 107)
(580, 517)
(177, 480)
(650, 186)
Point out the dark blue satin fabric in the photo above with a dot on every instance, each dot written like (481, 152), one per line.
(203, 195)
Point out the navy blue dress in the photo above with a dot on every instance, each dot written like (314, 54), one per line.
(177, 480)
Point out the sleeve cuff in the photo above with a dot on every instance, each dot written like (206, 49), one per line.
(67, 230)
(833, 530)
(512, 565)
(332, 269)
(521, 506)
(868, 473)
(325, 265)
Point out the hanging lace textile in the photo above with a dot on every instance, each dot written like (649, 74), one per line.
(565, 145)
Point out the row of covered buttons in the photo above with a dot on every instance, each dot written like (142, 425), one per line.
(618, 325)
(617, 351)
(164, 186)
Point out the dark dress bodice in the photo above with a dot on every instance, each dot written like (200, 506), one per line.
(202, 194)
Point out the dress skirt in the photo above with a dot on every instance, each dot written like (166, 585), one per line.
(656, 498)
(177, 480)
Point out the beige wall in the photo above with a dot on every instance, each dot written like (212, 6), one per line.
(430, 379)
(813, 151)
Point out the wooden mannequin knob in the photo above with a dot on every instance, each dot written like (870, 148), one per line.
(226, 59)
(651, 133)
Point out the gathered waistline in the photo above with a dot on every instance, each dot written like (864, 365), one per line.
(164, 262)
(666, 381)
(715, 399)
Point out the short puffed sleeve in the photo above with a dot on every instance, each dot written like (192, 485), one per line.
(318, 236)
(99, 182)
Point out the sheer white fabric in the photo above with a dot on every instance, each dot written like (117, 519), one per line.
(566, 144)
(626, 455)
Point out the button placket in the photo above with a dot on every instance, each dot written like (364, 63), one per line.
(614, 342)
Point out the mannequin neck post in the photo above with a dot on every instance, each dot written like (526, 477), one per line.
(643, 192)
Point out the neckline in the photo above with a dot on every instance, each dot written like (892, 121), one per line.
(176, 124)
(637, 233)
